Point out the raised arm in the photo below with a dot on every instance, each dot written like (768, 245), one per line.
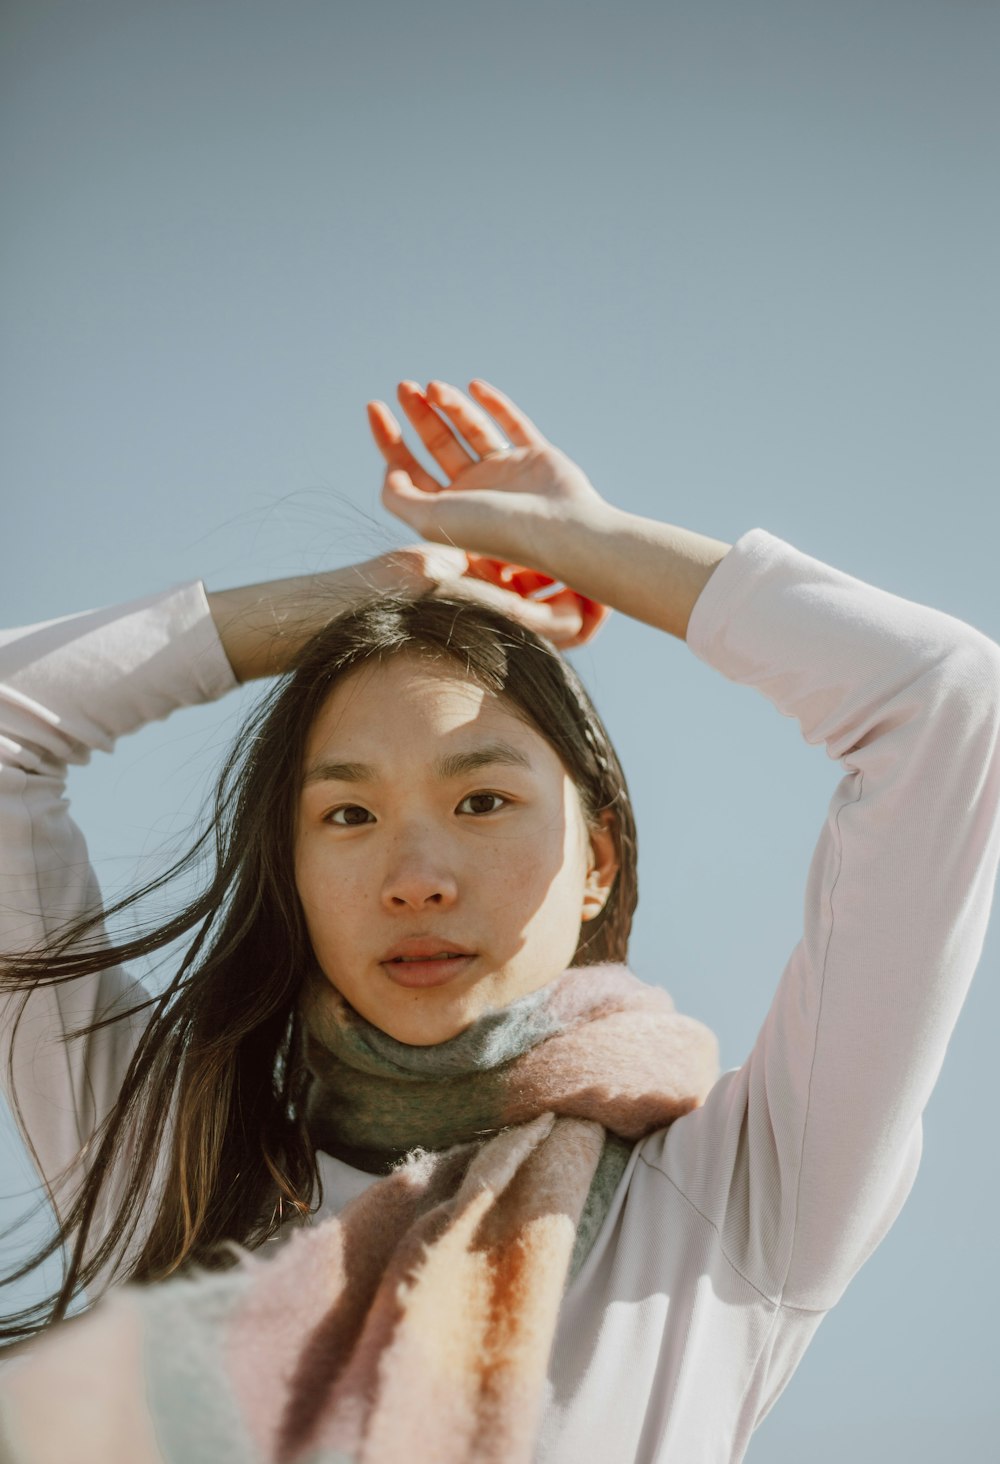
(801, 1159)
(69, 686)
(816, 1139)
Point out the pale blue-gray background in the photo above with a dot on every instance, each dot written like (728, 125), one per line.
(739, 260)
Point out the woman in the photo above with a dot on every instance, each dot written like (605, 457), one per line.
(528, 1220)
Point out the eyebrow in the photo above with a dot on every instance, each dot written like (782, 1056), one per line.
(452, 765)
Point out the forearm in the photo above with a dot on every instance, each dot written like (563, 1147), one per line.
(649, 570)
(263, 626)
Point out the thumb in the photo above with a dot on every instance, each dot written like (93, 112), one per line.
(399, 482)
(592, 614)
(401, 496)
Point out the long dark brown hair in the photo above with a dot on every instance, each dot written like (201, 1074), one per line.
(208, 1126)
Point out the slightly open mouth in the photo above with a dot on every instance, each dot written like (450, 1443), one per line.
(428, 970)
(422, 960)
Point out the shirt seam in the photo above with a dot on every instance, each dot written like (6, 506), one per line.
(852, 803)
(775, 1302)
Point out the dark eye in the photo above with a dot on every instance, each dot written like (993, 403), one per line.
(470, 796)
(345, 808)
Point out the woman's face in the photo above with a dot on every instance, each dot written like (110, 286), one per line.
(393, 846)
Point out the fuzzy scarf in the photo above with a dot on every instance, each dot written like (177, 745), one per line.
(417, 1324)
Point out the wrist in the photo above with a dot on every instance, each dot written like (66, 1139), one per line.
(652, 571)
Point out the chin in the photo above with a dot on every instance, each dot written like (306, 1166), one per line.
(429, 1033)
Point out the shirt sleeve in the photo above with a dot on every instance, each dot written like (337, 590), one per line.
(68, 686)
(802, 1158)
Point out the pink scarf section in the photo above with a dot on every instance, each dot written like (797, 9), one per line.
(414, 1326)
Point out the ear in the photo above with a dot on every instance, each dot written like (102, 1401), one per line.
(602, 866)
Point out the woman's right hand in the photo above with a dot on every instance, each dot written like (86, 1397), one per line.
(506, 502)
(565, 618)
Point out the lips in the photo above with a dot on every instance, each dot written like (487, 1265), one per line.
(423, 948)
(438, 956)
(426, 971)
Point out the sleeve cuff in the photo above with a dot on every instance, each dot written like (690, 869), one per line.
(732, 578)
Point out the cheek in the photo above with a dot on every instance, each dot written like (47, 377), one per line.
(305, 873)
(543, 874)
(328, 890)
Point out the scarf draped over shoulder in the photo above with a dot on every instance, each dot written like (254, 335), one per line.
(416, 1324)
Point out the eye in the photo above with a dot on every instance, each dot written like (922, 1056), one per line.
(345, 808)
(356, 808)
(499, 796)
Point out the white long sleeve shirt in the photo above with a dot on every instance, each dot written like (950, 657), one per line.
(735, 1230)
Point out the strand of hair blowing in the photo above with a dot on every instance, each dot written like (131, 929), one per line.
(208, 1132)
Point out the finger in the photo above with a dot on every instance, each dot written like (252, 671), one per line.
(591, 613)
(436, 435)
(560, 623)
(567, 619)
(518, 427)
(510, 576)
(443, 561)
(594, 616)
(479, 432)
(429, 562)
(524, 581)
(389, 440)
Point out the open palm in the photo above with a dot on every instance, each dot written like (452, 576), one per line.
(493, 505)
(490, 502)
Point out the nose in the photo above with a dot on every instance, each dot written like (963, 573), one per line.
(417, 881)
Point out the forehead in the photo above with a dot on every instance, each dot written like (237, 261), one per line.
(410, 696)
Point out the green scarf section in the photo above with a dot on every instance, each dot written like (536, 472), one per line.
(376, 1100)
